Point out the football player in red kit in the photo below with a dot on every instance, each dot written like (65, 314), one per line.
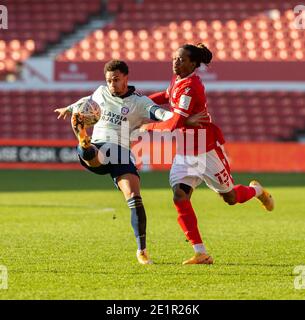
(208, 163)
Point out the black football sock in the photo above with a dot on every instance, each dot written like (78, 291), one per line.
(138, 220)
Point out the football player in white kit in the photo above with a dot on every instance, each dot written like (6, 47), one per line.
(123, 110)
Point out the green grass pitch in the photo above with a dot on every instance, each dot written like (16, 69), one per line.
(67, 235)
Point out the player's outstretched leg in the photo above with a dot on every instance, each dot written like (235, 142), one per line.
(87, 151)
(263, 195)
(78, 127)
(241, 194)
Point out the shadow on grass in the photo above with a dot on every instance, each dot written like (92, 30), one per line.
(32, 180)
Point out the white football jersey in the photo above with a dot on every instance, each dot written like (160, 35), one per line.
(120, 115)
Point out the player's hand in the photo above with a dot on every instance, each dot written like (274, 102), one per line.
(62, 112)
(198, 119)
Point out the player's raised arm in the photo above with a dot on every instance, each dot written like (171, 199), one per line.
(176, 121)
(147, 108)
(157, 113)
(197, 119)
(182, 109)
(160, 97)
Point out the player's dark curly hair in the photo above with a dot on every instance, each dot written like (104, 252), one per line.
(114, 65)
(199, 53)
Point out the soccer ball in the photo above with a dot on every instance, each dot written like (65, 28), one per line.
(91, 112)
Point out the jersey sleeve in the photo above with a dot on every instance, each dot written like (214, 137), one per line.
(175, 122)
(97, 95)
(158, 113)
(185, 103)
(160, 97)
(148, 109)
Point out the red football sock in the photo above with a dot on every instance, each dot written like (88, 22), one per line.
(188, 221)
(244, 193)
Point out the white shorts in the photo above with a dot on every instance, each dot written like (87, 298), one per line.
(211, 167)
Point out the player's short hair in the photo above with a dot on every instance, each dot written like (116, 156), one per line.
(199, 53)
(114, 65)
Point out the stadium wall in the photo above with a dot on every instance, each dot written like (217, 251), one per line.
(47, 70)
(162, 71)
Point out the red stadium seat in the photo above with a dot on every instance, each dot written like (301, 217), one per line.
(41, 23)
(274, 115)
(245, 26)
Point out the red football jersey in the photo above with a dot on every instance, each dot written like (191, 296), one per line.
(186, 97)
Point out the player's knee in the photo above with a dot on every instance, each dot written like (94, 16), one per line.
(130, 194)
(179, 195)
(135, 194)
(229, 198)
(181, 192)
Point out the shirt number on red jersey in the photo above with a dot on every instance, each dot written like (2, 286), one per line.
(223, 177)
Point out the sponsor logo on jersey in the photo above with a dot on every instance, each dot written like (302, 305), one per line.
(124, 110)
(184, 102)
(187, 90)
(112, 117)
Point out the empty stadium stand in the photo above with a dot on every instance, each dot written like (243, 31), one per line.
(239, 30)
(242, 115)
(32, 25)
(151, 31)
(33, 116)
